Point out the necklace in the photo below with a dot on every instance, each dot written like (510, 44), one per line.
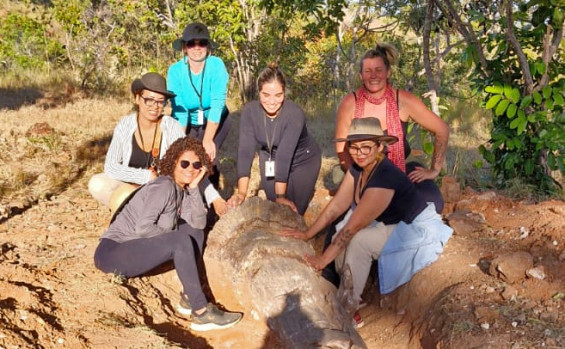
(148, 154)
(362, 184)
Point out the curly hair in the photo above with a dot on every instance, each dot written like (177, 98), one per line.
(168, 163)
(387, 52)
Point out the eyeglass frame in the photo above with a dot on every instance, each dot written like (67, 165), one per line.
(146, 102)
(359, 151)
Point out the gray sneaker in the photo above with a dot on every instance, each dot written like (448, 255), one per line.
(184, 305)
(214, 319)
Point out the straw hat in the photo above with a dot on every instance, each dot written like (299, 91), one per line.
(367, 128)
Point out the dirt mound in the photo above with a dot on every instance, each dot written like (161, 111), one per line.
(51, 294)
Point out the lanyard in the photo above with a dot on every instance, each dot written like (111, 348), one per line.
(201, 82)
(270, 142)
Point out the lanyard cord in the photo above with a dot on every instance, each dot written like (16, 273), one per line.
(270, 142)
(150, 154)
(201, 82)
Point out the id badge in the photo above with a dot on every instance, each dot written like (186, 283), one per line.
(269, 168)
(200, 117)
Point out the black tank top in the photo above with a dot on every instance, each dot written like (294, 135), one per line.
(139, 158)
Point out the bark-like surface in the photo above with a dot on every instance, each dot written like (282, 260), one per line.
(269, 275)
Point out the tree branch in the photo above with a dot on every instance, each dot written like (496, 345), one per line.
(517, 48)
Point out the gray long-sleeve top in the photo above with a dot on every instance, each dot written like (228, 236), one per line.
(154, 210)
(292, 144)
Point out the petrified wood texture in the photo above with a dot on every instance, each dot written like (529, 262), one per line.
(269, 276)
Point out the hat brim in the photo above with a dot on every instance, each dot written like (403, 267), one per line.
(358, 137)
(138, 85)
(177, 44)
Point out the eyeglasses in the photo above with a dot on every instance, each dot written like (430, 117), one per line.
(148, 101)
(195, 164)
(364, 149)
(201, 43)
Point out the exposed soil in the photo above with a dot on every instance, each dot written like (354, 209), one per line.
(477, 295)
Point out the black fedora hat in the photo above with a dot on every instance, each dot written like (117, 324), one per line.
(152, 82)
(367, 128)
(194, 31)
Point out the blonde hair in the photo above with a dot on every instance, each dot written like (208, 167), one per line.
(386, 51)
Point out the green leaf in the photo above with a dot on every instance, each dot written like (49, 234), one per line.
(529, 166)
(526, 101)
(507, 90)
(522, 125)
(557, 98)
(546, 91)
(537, 98)
(511, 111)
(478, 164)
(428, 148)
(496, 88)
(549, 104)
(493, 101)
(514, 123)
(515, 95)
(501, 107)
(540, 67)
(532, 117)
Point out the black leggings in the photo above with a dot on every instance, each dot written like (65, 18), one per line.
(301, 181)
(135, 257)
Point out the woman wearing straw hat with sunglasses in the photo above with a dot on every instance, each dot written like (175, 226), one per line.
(139, 141)
(387, 218)
(162, 222)
(200, 82)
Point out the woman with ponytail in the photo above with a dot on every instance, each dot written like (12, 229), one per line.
(289, 158)
(394, 108)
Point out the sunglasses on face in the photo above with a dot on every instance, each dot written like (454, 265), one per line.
(195, 164)
(201, 43)
(149, 102)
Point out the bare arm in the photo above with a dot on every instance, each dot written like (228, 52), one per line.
(338, 205)
(415, 109)
(373, 203)
(344, 116)
(208, 139)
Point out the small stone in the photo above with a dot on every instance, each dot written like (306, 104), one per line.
(514, 324)
(554, 242)
(490, 289)
(536, 273)
(485, 326)
(60, 341)
(509, 293)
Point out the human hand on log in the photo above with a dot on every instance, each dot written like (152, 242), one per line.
(236, 200)
(294, 233)
(287, 202)
(220, 206)
(316, 262)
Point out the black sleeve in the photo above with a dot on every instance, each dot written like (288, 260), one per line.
(292, 126)
(247, 141)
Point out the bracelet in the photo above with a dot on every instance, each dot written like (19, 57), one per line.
(280, 196)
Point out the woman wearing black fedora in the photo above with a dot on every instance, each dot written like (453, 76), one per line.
(138, 141)
(200, 82)
(387, 217)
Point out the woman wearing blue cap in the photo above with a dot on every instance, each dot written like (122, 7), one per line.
(200, 82)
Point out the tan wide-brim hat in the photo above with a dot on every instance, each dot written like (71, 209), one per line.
(367, 128)
(120, 196)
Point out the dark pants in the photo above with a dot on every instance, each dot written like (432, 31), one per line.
(301, 180)
(429, 191)
(221, 135)
(136, 257)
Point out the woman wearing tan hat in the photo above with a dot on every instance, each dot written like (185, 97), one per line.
(200, 82)
(387, 218)
(394, 108)
(163, 222)
(139, 140)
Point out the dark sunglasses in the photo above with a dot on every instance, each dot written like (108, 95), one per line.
(195, 165)
(201, 43)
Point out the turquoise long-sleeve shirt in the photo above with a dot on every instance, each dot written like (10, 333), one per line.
(211, 84)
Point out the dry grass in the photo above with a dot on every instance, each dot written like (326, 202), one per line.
(38, 164)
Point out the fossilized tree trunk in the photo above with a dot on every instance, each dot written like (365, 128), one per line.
(269, 276)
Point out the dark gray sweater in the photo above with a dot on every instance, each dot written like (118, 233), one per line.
(154, 210)
(292, 144)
